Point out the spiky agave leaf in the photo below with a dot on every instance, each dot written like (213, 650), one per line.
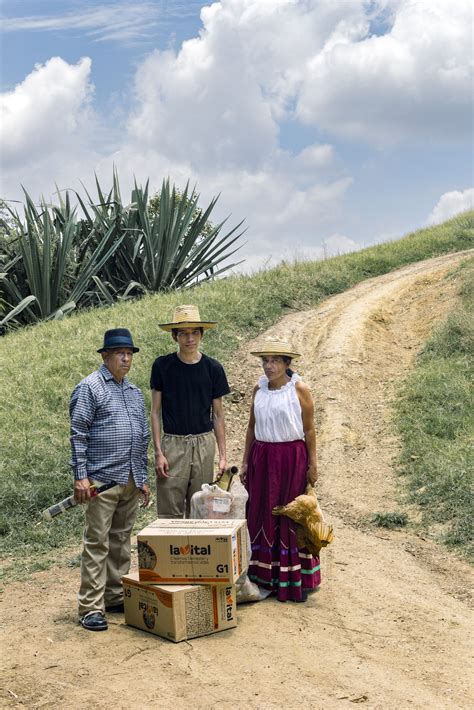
(18, 309)
(114, 249)
(176, 246)
(47, 240)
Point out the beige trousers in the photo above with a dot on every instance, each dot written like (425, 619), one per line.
(106, 552)
(191, 463)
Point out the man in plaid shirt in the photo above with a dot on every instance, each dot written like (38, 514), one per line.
(109, 441)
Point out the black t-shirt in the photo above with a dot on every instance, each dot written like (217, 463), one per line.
(187, 392)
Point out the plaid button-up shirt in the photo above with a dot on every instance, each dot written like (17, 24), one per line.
(109, 430)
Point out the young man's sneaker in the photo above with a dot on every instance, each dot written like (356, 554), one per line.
(94, 621)
(115, 608)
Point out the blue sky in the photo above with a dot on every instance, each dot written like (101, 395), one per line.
(37, 30)
(326, 124)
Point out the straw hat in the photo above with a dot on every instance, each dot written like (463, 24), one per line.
(275, 347)
(187, 317)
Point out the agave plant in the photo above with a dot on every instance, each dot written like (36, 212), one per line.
(169, 243)
(45, 279)
(115, 278)
(192, 252)
(53, 261)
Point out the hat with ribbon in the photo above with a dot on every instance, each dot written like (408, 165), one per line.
(118, 338)
(274, 348)
(187, 317)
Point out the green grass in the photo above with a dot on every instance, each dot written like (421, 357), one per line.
(435, 412)
(41, 365)
(391, 521)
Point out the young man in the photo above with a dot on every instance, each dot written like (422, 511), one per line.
(187, 390)
(109, 441)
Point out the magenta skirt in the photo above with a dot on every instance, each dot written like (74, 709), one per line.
(276, 475)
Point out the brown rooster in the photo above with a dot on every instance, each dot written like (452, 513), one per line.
(311, 530)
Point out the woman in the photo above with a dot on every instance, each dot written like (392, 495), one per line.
(279, 459)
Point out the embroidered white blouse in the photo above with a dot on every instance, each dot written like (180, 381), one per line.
(278, 412)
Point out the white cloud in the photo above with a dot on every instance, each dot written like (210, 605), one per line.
(46, 109)
(450, 204)
(339, 244)
(202, 108)
(48, 129)
(273, 40)
(117, 21)
(213, 111)
(220, 98)
(279, 210)
(413, 81)
(333, 245)
(316, 156)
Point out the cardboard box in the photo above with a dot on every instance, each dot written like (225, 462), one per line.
(185, 551)
(178, 612)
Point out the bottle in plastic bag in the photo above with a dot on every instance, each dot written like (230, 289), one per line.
(227, 478)
(212, 502)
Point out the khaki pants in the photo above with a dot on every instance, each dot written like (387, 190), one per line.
(191, 463)
(106, 552)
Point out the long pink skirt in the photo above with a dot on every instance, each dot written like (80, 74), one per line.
(276, 475)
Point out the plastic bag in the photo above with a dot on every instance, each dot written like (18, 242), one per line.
(248, 591)
(214, 503)
(210, 502)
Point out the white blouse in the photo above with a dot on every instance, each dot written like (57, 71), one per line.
(278, 412)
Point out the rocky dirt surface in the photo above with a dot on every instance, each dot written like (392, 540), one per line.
(390, 625)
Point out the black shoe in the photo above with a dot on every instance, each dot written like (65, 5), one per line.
(115, 608)
(94, 621)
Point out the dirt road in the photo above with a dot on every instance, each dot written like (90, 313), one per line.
(389, 627)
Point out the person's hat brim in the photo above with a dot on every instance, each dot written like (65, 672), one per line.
(117, 347)
(275, 348)
(205, 325)
(273, 353)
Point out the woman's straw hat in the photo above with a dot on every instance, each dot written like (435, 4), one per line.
(187, 317)
(275, 347)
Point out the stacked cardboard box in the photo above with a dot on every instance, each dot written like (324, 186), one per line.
(185, 586)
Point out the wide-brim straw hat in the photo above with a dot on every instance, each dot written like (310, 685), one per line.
(187, 317)
(275, 347)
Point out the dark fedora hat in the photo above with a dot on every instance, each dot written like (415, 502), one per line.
(118, 338)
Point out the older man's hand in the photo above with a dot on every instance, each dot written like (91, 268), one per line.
(146, 496)
(82, 490)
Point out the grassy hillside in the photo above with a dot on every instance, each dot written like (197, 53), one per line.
(42, 364)
(436, 419)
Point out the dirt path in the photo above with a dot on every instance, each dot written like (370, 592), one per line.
(389, 627)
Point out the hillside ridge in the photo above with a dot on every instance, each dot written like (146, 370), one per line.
(392, 604)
